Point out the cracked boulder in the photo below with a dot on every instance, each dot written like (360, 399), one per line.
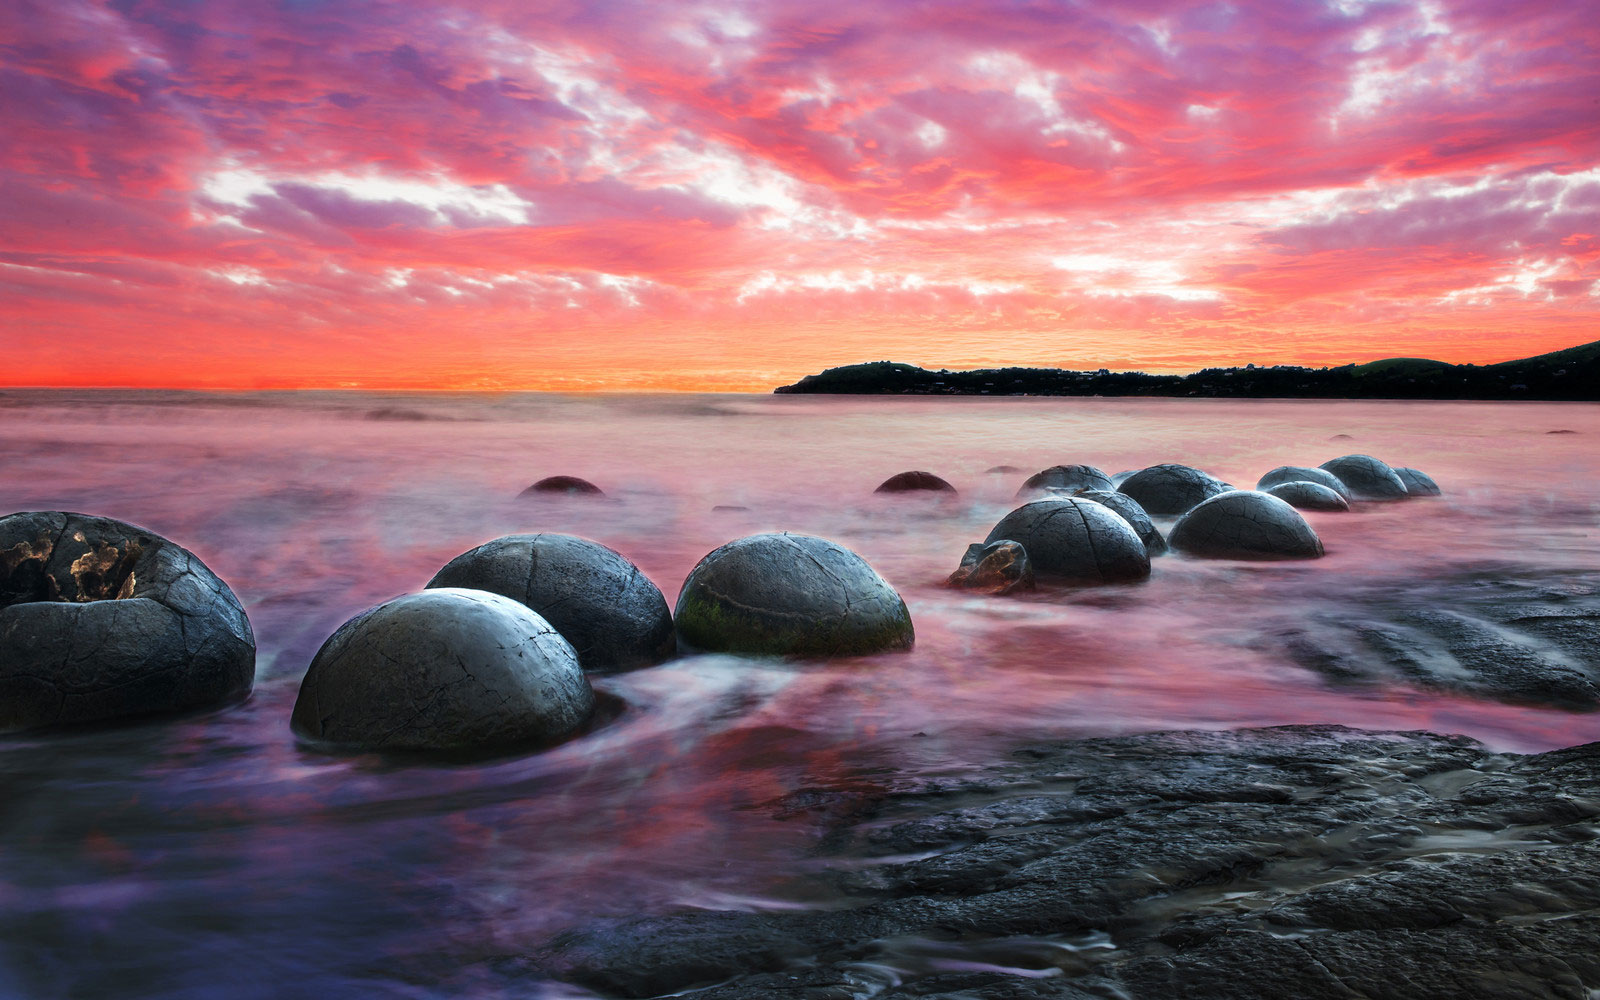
(1066, 477)
(1367, 478)
(1302, 474)
(1000, 567)
(915, 482)
(611, 613)
(1076, 540)
(1129, 510)
(785, 594)
(446, 669)
(101, 620)
(1245, 524)
(1418, 483)
(1308, 496)
(1171, 489)
(563, 486)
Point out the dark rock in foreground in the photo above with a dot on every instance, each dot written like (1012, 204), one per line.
(1077, 541)
(1066, 477)
(1245, 524)
(1367, 477)
(1129, 510)
(611, 613)
(1308, 496)
(1249, 865)
(1170, 489)
(1000, 567)
(564, 485)
(445, 669)
(100, 620)
(1418, 483)
(914, 482)
(784, 594)
(1489, 635)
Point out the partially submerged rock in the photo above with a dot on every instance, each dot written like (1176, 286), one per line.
(785, 594)
(1170, 489)
(1245, 524)
(1418, 483)
(1129, 510)
(999, 567)
(914, 482)
(1299, 861)
(1077, 541)
(1303, 474)
(565, 486)
(1367, 478)
(1308, 496)
(446, 669)
(611, 613)
(101, 620)
(1066, 477)
(1012, 469)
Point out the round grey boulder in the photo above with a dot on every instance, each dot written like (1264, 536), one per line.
(1170, 489)
(1075, 540)
(1418, 483)
(615, 618)
(1129, 510)
(785, 594)
(1066, 477)
(444, 669)
(564, 486)
(1367, 478)
(1308, 496)
(1303, 474)
(914, 482)
(101, 620)
(1245, 524)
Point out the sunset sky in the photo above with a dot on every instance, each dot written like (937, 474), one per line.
(614, 195)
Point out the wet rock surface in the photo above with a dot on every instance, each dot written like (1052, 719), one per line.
(1308, 496)
(1303, 474)
(1418, 483)
(785, 594)
(1129, 510)
(1066, 477)
(446, 669)
(101, 620)
(1292, 861)
(1522, 639)
(1000, 567)
(564, 485)
(1076, 541)
(611, 613)
(1171, 489)
(1367, 477)
(1246, 524)
(914, 482)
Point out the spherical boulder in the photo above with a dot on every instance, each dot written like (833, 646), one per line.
(1245, 524)
(1012, 469)
(1075, 540)
(1129, 510)
(785, 594)
(611, 613)
(1000, 567)
(1170, 489)
(1418, 483)
(1066, 477)
(1308, 496)
(1367, 478)
(565, 486)
(914, 482)
(1303, 474)
(101, 619)
(445, 669)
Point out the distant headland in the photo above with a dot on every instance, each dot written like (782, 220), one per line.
(1572, 374)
